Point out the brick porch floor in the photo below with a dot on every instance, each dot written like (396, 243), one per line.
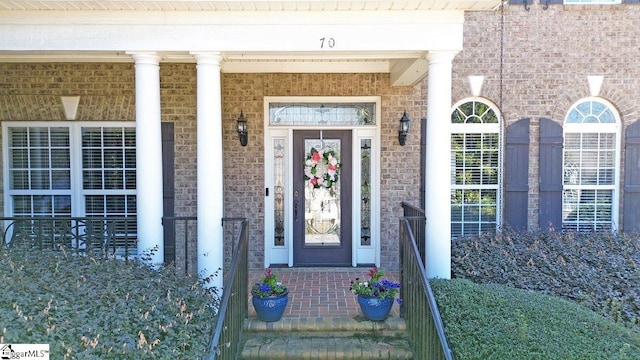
(320, 292)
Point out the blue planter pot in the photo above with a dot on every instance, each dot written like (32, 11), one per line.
(270, 308)
(374, 308)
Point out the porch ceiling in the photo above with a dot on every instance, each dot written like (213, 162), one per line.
(254, 36)
(247, 5)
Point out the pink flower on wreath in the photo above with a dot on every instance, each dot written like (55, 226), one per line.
(316, 156)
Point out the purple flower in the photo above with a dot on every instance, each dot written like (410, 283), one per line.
(265, 288)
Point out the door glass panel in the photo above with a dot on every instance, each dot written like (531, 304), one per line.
(278, 215)
(322, 192)
(365, 192)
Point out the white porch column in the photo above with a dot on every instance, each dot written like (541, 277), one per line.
(438, 166)
(149, 155)
(210, 167)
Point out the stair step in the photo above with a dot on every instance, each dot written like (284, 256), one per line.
(319, 345)
(333, 324)
(326, 338)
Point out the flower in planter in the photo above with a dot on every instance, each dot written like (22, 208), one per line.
(376, 286)
(268, 285)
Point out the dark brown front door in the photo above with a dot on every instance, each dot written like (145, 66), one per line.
(322, 209)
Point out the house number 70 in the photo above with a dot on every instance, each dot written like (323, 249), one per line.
(330, 43)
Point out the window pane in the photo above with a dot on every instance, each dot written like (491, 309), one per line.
(60, 158)
(113, 138)
(94, 204)
(92, 158)
(113, 158)
(40, 180)
(42, 205)
(18, 137)
(59, 137)
(91, 137)
(130, 179)
(19, 180)
(19, 158)
(92, 180)
(21, 205)
(61, 179)
(62, 205)
(39, 137)
(113, 179)
(130, 158)
(39, 158)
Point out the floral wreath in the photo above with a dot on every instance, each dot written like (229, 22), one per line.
(321, 168)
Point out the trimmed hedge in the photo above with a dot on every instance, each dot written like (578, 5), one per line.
(498, 322)
(91, 308)
(600, 271)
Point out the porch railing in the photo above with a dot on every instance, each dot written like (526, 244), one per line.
(234, 306)
(104, 236)
(417, 228)
(182, 233)
(419, 309)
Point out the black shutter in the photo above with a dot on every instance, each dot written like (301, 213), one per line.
(631, 210)
(168, 194)
(550, 174)
(516, 175)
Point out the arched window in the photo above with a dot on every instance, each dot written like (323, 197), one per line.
(591, 158)
(476, 170)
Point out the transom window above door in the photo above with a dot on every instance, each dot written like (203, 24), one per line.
(326, 114)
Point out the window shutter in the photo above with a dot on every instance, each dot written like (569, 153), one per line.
(550, 174)
(516, 175)
(631, 210)
(168, 183)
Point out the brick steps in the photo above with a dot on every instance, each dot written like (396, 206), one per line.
(325, 338)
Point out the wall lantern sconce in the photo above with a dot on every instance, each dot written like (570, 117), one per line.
(403, 129)
(241, 127)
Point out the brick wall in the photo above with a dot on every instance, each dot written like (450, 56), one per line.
(536, 65)
(244, 166)
(32, 92)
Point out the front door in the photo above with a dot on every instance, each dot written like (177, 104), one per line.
(322, 197)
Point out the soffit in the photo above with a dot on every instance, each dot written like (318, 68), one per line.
(405, 63)
(246, 5)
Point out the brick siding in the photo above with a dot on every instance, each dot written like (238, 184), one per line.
(32, 92)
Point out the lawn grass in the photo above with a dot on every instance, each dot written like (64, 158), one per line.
(491, 321)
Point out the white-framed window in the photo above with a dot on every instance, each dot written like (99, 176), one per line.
(476, 167)
(69, 169)
(591, 166)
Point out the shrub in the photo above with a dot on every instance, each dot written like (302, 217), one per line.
(85, 307)
(600, 271)
(498, 322)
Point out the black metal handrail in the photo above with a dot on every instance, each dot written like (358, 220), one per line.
(234, 306)
(419, 309)
(105, 236)
(417, 228)
(182, 232)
